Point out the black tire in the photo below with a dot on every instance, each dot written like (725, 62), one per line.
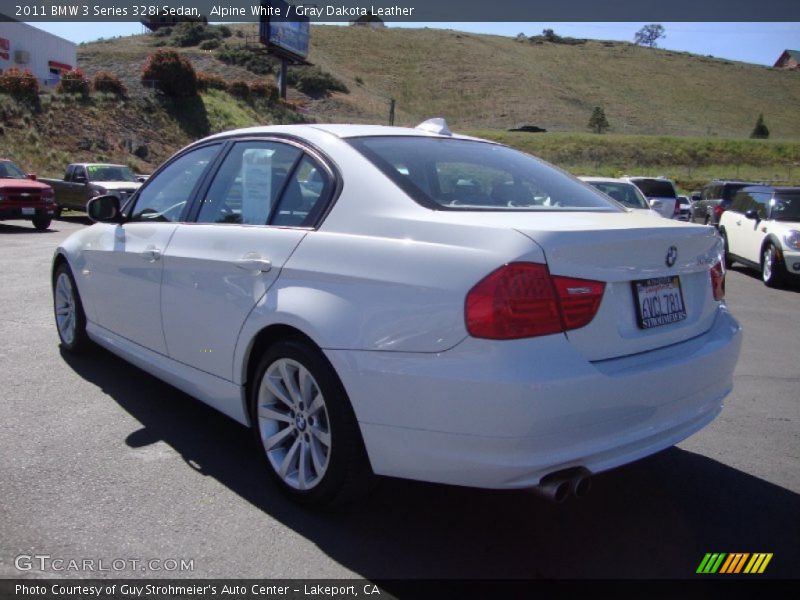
(42, 223)
(79, 342)
(773, 271)
(727, 255)
(348, 474)
(57, 213)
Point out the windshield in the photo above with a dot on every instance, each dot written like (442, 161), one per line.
(786, 206)
(8, 170)
(656, 188)
(626, 194)
(110, 173)
(455, 174)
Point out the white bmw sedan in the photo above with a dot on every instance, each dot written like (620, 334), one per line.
(406, 302)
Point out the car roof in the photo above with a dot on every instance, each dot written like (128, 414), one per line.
(342, 131)
(95, 164)
(770, 188)
(605, 179)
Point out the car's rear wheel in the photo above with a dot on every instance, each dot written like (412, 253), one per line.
(42, 223)
(305, 426)
(772, 269)
(70, 318)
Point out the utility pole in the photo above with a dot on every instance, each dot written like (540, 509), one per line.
(392, 105)
(282, 78)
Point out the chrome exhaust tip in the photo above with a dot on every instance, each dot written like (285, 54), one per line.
(560, 485)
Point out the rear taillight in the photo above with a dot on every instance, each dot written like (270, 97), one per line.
(718, 281)
(718, 210)
(677, 210)
(522, 300)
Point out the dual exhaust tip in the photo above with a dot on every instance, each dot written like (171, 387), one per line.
(560, 485)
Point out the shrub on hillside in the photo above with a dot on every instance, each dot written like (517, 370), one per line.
(316, 82)
(21, 85)
(255, 62)
(239, 89)
(171, 74)
(225, 31)
(261, 89)
(210, 81)
(74, 82)
(209, 44)
(163, 32)
(193, 33)
(109, 83)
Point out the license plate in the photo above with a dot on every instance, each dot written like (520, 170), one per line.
(659, 301)
(27, 210)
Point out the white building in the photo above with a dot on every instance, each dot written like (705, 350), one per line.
(28, 48)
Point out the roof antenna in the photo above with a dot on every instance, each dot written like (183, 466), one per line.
(437, 125)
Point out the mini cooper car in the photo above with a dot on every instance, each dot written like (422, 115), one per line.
(406, 302)
(761, 229)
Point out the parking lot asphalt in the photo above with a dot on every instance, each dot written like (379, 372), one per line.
(102, 461)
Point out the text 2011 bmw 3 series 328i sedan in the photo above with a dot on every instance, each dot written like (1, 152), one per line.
(406, 302)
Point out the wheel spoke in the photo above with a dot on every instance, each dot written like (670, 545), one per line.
(316, 457)
(301, 472)
(266, 412)
(307, 386)
(322, 436)
(289, 383)
(289, 459)
(275, 440)
(316, 404)
(276, 391)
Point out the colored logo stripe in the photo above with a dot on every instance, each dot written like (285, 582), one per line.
(721, 562)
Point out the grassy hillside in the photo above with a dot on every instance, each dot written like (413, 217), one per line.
(493, 82)
(676, 114)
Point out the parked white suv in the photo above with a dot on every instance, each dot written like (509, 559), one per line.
(761, 229)
(660, 193)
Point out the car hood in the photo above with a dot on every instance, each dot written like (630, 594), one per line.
(26, 184)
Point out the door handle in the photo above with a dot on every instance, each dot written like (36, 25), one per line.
(738, 222)
(151, 254)
(249, 263)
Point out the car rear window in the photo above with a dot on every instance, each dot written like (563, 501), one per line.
(656, 188)
(624, 193)
(730, 189)
(786, 206)
(455, 174)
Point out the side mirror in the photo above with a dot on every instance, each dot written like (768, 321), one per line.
(656, 204)
(104, 209)
(32, 176)
(752, 214)
(141, 179)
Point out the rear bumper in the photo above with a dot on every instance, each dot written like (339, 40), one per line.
(504, 414)
(19, 212)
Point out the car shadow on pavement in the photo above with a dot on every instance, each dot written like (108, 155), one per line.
(6, 229)
(793, 285)
(654, 518)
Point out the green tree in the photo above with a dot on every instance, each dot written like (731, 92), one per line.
(760, 131)
(598, 121)
(649, 35)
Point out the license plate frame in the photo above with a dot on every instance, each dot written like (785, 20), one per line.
(28, 211)
(652, 296)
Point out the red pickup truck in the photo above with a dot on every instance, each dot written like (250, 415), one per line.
(22, 197)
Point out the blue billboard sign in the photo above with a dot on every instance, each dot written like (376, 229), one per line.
(284, 32)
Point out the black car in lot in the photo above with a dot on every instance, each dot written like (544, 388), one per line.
(714, 200)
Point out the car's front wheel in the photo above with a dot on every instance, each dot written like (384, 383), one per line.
(70, 318)
(772, 269)
(42, 223)
(305, 426)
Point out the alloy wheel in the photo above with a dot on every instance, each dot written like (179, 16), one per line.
(293, 424)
